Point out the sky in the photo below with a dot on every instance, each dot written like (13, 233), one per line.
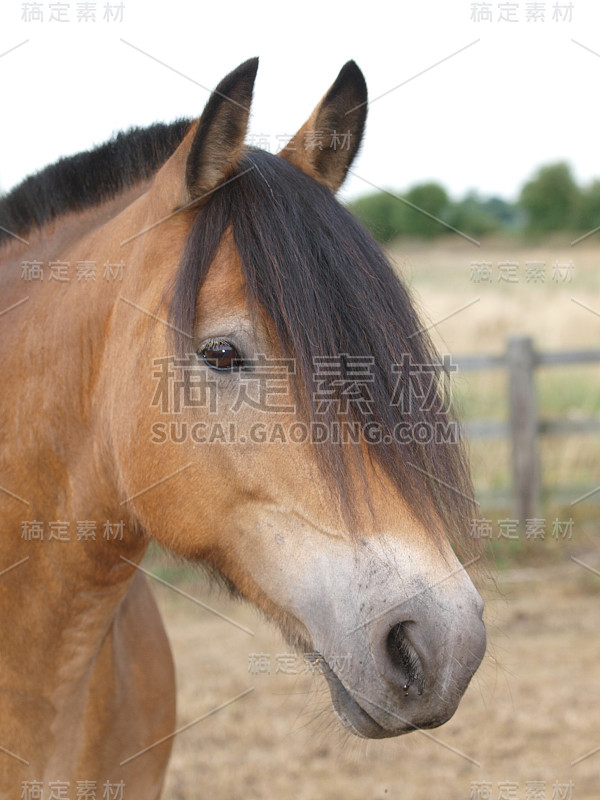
(458, 93)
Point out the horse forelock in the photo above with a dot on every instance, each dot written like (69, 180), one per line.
(329, 292)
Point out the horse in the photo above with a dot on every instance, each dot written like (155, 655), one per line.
(245, 384)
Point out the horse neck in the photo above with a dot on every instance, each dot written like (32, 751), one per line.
(55, 465)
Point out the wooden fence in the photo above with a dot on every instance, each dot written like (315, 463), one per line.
(524, 425)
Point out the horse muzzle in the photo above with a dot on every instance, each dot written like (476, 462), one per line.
(414, 671)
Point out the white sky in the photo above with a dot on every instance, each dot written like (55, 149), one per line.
(524, 94)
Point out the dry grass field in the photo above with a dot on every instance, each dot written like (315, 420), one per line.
(532, 708)
(551, 312)
(440, 275)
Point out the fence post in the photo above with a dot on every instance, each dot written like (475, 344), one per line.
(520, 359)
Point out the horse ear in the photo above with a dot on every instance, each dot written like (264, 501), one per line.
(325, 146)
(218, 140)
(213, 144)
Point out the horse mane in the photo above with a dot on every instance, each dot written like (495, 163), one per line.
(314, 271)
(328, 289)
(89, 178)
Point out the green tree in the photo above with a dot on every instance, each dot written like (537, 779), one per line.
(428, 197)
(471, 216)
(588, 216)
(381, 214)
(387, 216)
(551, 199)
(507, 215)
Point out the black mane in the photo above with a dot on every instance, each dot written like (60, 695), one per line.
(313, 270)
(89, 178)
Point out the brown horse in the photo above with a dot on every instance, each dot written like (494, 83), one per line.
(245, 381)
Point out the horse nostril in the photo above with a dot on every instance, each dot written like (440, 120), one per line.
(404, 658)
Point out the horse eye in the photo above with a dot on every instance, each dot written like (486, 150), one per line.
(220, 355)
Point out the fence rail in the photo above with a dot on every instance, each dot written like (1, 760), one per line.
(524, 426)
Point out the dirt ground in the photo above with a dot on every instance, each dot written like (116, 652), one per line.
(529, 713)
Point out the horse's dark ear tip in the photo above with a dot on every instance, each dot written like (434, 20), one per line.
(351, 77)
(352, 66)
(250, 66)
(244, 73)
(237, 85)
(351, 71)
